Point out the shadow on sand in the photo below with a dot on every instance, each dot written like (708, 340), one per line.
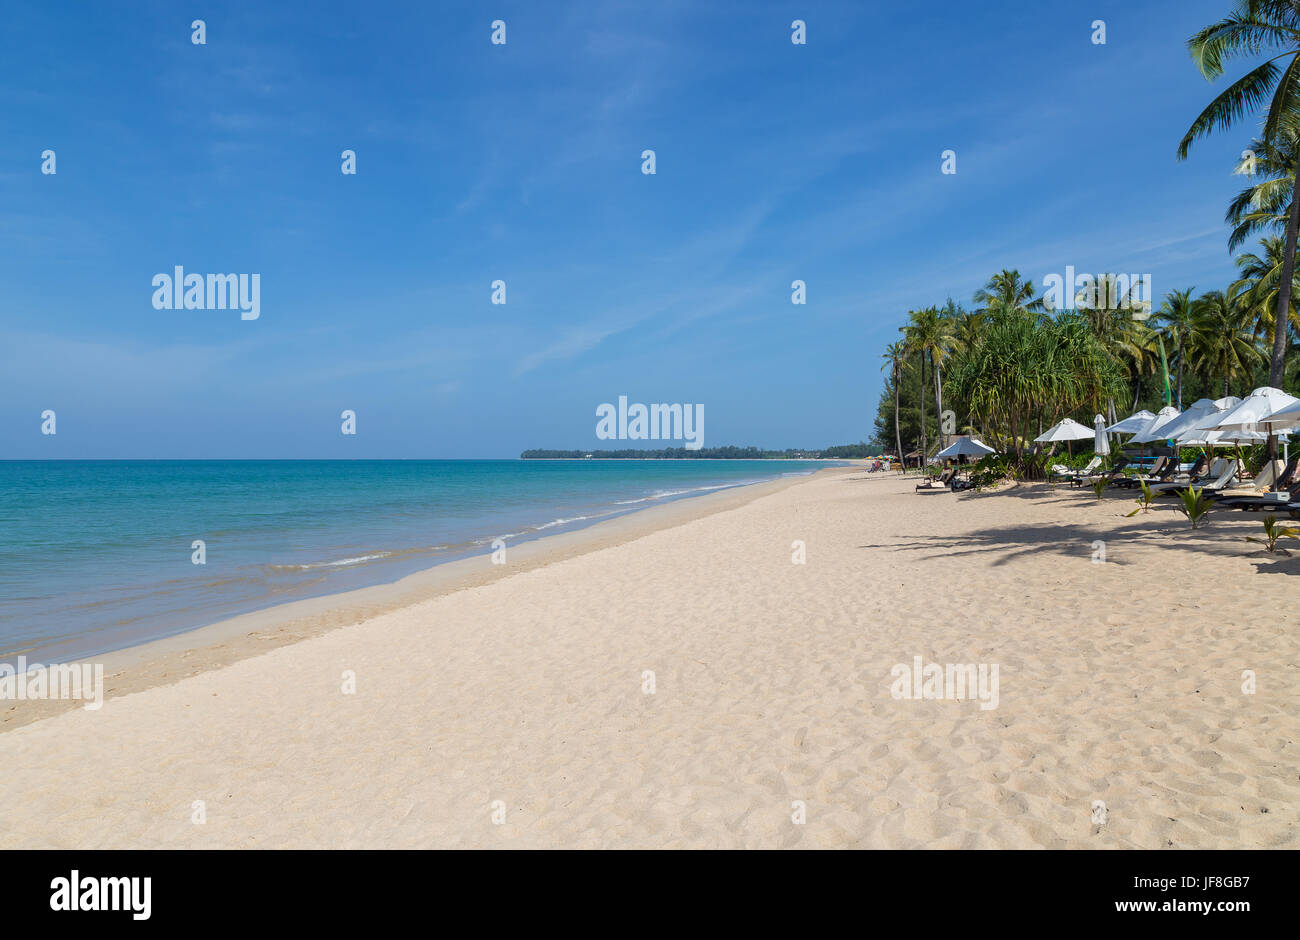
(1222, 533)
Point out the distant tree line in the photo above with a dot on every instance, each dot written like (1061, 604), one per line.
(841, 452)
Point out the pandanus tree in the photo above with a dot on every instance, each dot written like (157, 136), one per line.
(1252, 29)
(1089, 371)
(1027, 372)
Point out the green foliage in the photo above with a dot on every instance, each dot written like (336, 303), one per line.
(1255, 30)
(1029, 369)
(907, 380)
(1077, 461)
(1273, 533)
(991, 470)
(1255, 457)
(1099, 486)
(1195, 504)
(1144, 501)
(1012, 367)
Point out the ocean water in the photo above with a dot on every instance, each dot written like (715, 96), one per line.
(97, 555)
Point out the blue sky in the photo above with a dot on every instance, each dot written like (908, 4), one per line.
(522, 162)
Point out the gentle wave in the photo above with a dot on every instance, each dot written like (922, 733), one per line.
(664, 494)
(341, 563)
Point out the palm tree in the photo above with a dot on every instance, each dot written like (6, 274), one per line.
(1261, 283)
(1108, 308)
(914, 348)
(965, 330)
(895, 357)
(1254, 27)
(1174, 323)
(1261, 208)
(929, 334)
(1223, 338)
(1007, 291)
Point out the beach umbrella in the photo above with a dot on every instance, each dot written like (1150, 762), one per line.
(1263, 410)
(1101, 440)
(1067, 430)
(1187, 424)
(1152, 431)
(1132, 424)
(1288, 413)
(966, 447)
(1212, 438)
(1208, 422)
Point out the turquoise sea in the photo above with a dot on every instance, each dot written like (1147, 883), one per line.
(97, 555)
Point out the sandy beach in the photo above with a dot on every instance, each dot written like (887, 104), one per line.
(673, 680)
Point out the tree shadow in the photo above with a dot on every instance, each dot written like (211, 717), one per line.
(1222, 533)
(1223, 537)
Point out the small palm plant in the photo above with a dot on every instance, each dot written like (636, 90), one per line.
(1144, 501)
(1099, 486)
(1195, 504)
(1273, 533)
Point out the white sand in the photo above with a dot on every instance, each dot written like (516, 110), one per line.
(1119, 682)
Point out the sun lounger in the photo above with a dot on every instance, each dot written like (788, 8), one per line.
(1161, 471)
(1215, 488)
(1273, 477)
(1279, 499)
(940, 483)
(1113, 475)
(1059, 470)
(1141, 477)
(1199, 475)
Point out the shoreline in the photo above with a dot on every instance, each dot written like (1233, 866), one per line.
(191, 652)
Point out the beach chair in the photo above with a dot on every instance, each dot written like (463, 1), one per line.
(937, 484)
(1065, 473)
(1286, 483)
(1199, 474)
(1161, 471)
(1215, 487)
(1112, 476)
(1272, 477)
